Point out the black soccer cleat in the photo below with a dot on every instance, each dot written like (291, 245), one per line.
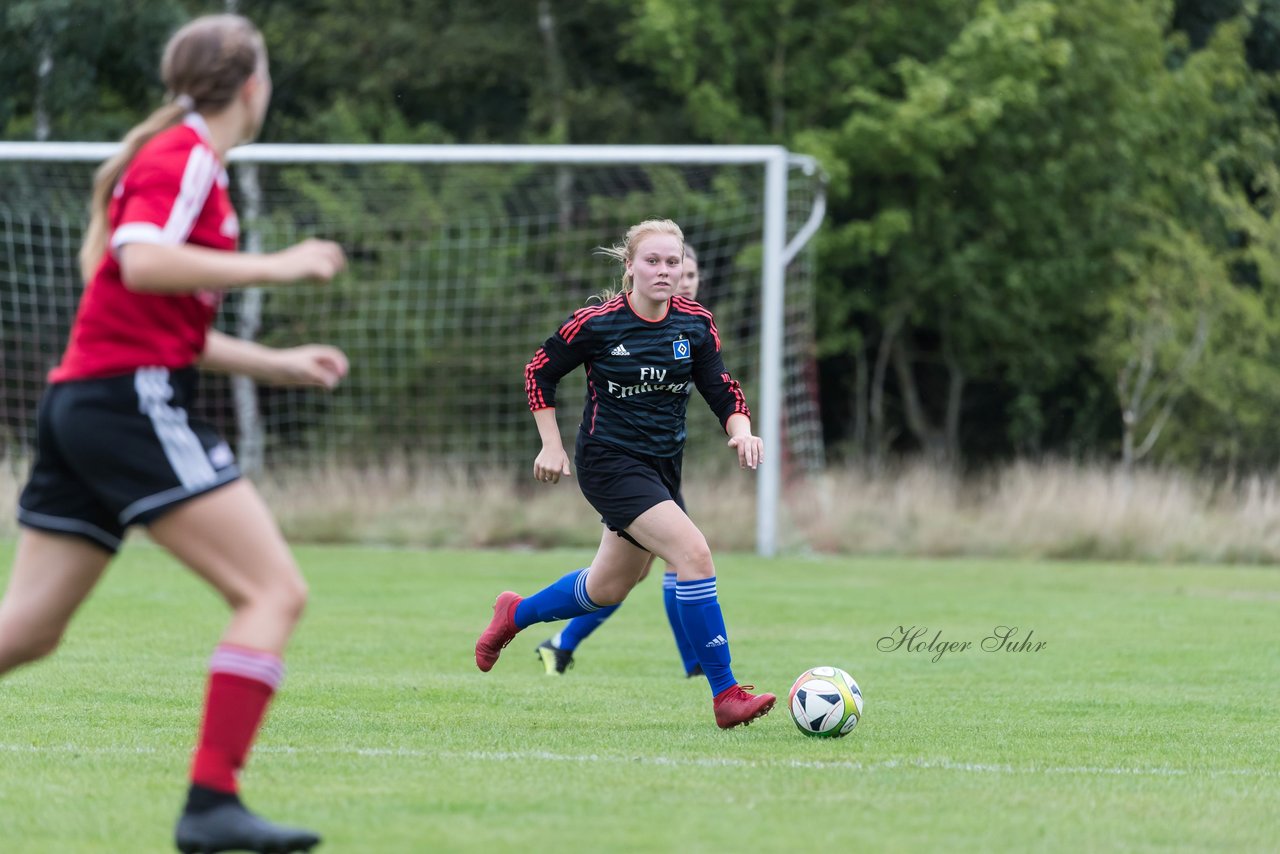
(554, 659)
(231, 827)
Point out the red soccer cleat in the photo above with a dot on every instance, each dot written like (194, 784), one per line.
(735, 706)
(501, 630)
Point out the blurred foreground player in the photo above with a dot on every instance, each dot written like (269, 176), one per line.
(117, 445)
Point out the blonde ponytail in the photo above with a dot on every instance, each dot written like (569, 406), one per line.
(108, 175)
(619, 254)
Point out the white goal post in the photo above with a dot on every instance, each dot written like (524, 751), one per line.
(414, 214)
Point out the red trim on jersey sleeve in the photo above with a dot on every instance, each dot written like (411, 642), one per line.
(574, 324)
(739, 399)
(163, 203)
(536, 400)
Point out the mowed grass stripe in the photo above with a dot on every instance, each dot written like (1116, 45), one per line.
(697, 761)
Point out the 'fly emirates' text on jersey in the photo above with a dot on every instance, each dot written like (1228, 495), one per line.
(174, 191)
(639, 372)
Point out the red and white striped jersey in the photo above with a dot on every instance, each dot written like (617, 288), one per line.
(174, 191)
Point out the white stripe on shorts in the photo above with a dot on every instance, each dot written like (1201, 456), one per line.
(68, 525)
(180, 443)
(169, 496)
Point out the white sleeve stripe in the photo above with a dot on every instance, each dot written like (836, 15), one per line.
(136, 232)
(197, 180)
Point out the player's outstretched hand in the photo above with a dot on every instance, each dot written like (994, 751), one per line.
(750, 450)
(311, 259)
(550, 465)
(311, 365)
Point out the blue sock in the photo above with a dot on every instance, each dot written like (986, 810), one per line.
(688, 657)
(562, 600)
(704, 625)
(579, 627)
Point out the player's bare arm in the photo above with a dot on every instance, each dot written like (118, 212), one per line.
(168, 269)
(552, 462)
(750, 448)
(308, 365)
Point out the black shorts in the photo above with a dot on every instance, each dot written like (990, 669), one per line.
(621, 484)
(120, 451)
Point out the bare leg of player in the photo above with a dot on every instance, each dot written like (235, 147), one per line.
(671, 535)
(52, 575)
(230, 539)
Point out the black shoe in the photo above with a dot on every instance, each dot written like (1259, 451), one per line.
(231, 827)
(554, 659)
(696, 671)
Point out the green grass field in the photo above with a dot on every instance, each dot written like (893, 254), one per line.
(1149, 720)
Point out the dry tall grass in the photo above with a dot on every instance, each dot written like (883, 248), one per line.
(1053, 510)
(1031, 510)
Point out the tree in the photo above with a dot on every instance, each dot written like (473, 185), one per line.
(1165, 321)
(80, 69)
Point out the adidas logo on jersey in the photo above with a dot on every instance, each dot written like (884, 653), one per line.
(718, 640)
(620, 350)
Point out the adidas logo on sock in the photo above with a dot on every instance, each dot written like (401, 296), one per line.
(718, 640)
(620, 350)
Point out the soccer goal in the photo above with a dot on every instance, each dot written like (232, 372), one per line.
(462, 260)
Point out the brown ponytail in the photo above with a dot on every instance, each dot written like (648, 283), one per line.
(204, 65)
(108, 175)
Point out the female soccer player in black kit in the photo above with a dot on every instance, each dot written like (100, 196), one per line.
(116, 443)
(641, 350)
(556, 652)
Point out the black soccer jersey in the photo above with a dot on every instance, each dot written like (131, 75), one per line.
(639, 372)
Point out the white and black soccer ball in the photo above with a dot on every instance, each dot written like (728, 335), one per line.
(826, 702)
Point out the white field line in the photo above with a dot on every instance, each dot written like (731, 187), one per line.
(680, 761)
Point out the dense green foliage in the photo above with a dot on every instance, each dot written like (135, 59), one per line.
(1053, 224)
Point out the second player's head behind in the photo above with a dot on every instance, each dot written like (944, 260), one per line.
(692, 278)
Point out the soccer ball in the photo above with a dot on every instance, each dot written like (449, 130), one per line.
(826, 702)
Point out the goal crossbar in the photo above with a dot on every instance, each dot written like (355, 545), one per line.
(378, 153)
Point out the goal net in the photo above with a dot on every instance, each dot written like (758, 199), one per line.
(458, 270)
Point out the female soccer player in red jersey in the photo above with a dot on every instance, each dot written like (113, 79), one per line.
(117, 445)
(642, 350)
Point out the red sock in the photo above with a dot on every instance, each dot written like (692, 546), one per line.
(241, 683)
